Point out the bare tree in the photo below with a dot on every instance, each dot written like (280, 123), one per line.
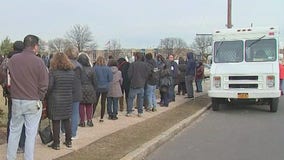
(113, 48)
(81, 37)
(58, 45)
(176, 46)
(202, 43)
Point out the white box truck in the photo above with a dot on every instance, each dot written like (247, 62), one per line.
(245, 67)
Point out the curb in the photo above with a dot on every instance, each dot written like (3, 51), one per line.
(148, 147)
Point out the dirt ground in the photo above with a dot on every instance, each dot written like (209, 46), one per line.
(120, 143)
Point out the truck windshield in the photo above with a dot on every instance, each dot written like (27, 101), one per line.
(228, 51)
(262, 51)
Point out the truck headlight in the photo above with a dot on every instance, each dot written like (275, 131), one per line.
(217, 82)
(270, 81)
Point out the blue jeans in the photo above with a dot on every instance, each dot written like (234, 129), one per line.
(26, 112)
(198, 83)
(112, 106)
(151, 96)
(140, 97)
(75, 118)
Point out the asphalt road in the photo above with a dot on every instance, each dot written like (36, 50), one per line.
(236, 132)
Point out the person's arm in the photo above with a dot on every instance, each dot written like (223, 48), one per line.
(43, 81)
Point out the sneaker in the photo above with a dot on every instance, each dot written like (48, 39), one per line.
(149, 109)
(68, 144)
(128, 115)
(20, 150)
(139, 114)
(101, 120)
(82, 124)
(74, 138)
(90, 123)
(154, 110)
(114, 118)
(54, 146)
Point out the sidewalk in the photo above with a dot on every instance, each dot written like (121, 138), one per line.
(88, 135)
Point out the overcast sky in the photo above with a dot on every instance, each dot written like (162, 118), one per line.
(135, 23)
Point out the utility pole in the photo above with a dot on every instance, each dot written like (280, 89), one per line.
(229, 15)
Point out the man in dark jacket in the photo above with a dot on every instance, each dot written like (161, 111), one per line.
(190, 74)
(138, 73)
(174, 76)
(152, 82)
(123, 66)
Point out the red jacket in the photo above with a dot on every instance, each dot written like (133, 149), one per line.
(281, 71)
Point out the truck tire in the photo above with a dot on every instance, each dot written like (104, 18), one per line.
(215, 104)
(274, 104)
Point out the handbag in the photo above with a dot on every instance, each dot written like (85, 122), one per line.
(45, 133)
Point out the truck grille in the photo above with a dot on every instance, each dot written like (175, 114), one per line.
(243, 77)
(243, 85)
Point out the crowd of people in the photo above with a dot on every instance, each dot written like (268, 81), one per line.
(72, 86)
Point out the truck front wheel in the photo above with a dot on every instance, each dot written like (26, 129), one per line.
(215, 104)
(274, 104)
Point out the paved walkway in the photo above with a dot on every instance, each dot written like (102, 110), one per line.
(87, 135)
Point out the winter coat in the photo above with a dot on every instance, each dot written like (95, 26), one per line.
(104, 77)
(59, 94)
(138, 73)
(77, 91)
(199, 72)
(153, 78)
(115, 84)
(89, 84)
(181, 75)
(165, 78)
(174, 71)
(190, 65)
(123, 66)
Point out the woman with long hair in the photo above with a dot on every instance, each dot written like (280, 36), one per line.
(104, 77)
(61, 77)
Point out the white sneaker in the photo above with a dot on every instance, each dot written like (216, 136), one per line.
(74, 138)
(139, 114)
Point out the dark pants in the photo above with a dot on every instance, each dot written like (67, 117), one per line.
(121, 99)
(56, 130)
(23, 134)
(103, 103)
(182, 88)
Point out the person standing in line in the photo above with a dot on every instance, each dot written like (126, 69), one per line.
(88, 89)
(181, 76)
(114, 90)
(190, 74)
(174, 75)
(152, 82)
(164, 84)
(18, 47)
(29, 83)
(104, 77)
(77, 91)
(59, 98)
(199, 76)
(123, 66)
(138, 73)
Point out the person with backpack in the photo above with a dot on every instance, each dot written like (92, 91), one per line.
(152, 82)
